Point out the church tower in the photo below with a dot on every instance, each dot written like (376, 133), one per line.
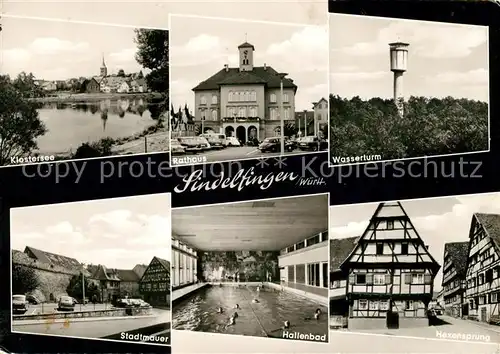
(246, 56)
(104, 69)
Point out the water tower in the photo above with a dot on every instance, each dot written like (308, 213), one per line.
(399, 63)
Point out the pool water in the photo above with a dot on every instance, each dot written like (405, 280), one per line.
(198, 312)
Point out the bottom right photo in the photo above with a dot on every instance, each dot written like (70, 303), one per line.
(427, 268)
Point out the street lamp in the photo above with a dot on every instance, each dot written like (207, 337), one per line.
(282, 122)
(203, 122)
(305, 122)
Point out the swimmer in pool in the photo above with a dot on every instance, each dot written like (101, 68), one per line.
(235, 315)
(258, 288)
(317, 314)
(286, 325)
(232, 320)
(255, 301)
(220, 310)
(237, 306)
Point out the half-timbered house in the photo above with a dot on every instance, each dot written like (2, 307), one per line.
(454, 272)
(155, 283)
(483, 267)
(390, 273)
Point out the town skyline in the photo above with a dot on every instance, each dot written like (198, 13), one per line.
(63, 50)
(117, 233)
(437, 220)
(299, 50)
(437, 66)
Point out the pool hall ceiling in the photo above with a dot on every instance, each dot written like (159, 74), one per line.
(266, 225)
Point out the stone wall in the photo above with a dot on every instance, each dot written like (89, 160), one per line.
(84, 314)
(249, 265)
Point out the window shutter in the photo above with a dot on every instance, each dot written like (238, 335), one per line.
(387, 279)
(407, 278)
(427, 279)
(352, 279)
(369, 279)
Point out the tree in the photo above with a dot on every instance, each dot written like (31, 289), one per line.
(26, 85)
(24, 279)
(20, 124)
(121, 73)
(75, 288)
(152, 53)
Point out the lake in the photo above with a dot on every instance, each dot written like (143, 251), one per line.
(71, 124)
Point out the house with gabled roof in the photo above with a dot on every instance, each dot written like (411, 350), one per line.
(321, 115)
(454, 273)
(390, 273)
(116, 283)
(483, 268)
(245, 101)
(155, 283)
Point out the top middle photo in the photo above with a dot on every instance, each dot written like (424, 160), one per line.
(244, 89)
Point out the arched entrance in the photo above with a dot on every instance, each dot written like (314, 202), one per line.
(241, 134)
(229, 131)
(277, 131)
(252, 133)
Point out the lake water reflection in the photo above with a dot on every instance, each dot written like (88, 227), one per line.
(71, 124)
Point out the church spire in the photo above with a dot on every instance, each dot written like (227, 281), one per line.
(104, 69)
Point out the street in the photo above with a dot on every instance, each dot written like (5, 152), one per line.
(97, 327)
(234, 153)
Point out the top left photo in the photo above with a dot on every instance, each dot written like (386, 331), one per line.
(79, 90)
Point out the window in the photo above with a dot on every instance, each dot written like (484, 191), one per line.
(214, 114)
(409, 305)
(241, 112)
(494, 298)
(230, 97)
(360, 279)
(287, 113)
(274, 113)
(325, 275)
(253, 96)
(313, 276)
(203, 100)
(374, 304)
(272, 98)
(384, 305)
(324, 236)
(253, 112)
(313, 240)
(481, 300)
(285, 97)
(390, 225)
(380, 248)
(291, 274)
(379, 279)
(214, 99)
(300, 273)
(247, 96)
(404, 248)
(290, 249)
(417, 278)
(300, 245)
(471, 304)
(362, 304)
(481, 279)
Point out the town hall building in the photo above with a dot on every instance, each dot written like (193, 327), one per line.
(245, 101)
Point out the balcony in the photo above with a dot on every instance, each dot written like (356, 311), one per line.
(241, 119)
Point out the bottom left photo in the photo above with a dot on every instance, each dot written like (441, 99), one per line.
(96, 269)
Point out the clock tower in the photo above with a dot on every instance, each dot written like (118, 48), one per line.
(246, 56)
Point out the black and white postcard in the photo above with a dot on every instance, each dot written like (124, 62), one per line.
(427, 268)
(257, 268)
(95, 270)
(234, 90)
(403, 89)
(79, 90)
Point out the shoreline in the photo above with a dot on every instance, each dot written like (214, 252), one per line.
(83, 97)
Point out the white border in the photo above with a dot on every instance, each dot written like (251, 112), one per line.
(389, 19)
(169, 197)
(256, 158)
(91, 158)
(328, 261)
(403, 201)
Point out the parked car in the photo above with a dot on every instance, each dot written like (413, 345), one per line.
(192, 144)
(215, 141)
(232, 141)
(19, 304)
(205, 145)
(32, 300)
(144, 303)
(176, 148)
(66, 303)
(253, 142)
(123, 303)
(312, 143)
(274, 145)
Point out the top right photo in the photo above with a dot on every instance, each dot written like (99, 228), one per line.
(405, 89)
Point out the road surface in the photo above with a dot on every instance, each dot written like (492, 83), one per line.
(236, 153)
(97, 327)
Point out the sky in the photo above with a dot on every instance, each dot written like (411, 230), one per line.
(437, 220)
(200, 47)
(118, 233)
(443, 59)
(59, 50)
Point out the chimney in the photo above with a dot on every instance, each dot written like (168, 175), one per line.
(226, 67)
(265, 66)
